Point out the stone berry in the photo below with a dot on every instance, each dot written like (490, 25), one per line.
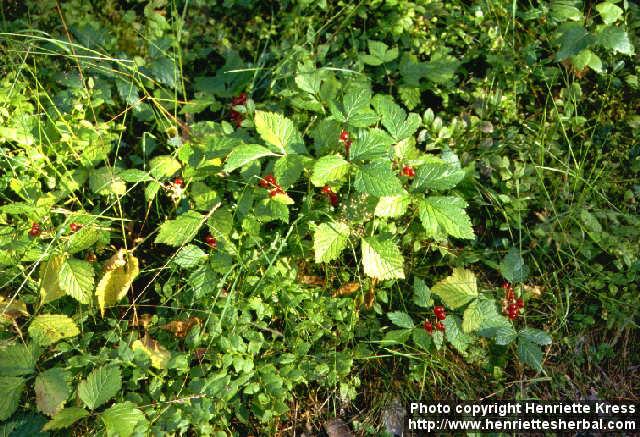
(327, 190)
(240, 100)
(333, 198)
(439, 326)
(211, 241)
(428, 326)
(75, 227)
(236, 117)
(179, 182)
(268, 181)
(440, 312)
(520, 303)
(408, 171)
(35, 230)
(276, 190)
(344, 136)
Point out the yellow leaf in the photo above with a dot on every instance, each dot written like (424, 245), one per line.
(120, 271)
(158, 354)
(11, 310)
(49, 286)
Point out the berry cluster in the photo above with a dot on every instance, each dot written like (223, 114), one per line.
(75, 227)
(408, 171)
(269, 182)
(333, 197)
(344, 139)
(510, 304)
(35, 230)
(178, 182)
(211, 241)
(440, 314)
(236, 116)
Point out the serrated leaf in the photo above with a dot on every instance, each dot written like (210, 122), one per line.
(328, 169)
(377, 179)
(373, 144)
(268, 210)
(395, 119)
(396, 336)
(181, 230)
(401, 319)
(530, 354)
(100, 386)
(573, 38)
(309, 82)
(392, 206)
(586, 58)
(454, 334)
(11, 388)
(457, 289)
(472, 318)
(382, 259)
(164, 166)
(134, 175)
(356, 108)
(189, 256)
(563, 10)
(288, 169)
(82, 239)
(76, 278)
(11, 309)
(499, 328)
(158, 354)
(436, 174)
(280, 132)
(379, 53)
(120, 271)
(52, 390)
(105, 181)
(18, 359)
(49, 286)
(442, 216)
(122, 419)
(513, 268)
(245, 154)
(65, 418)
(329, 239)
(438, 339)
(421, 338)
(535, 336)
(616, 39)
(410, 96)
(421, 293)
(47, 329)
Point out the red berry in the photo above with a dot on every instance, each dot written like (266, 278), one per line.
(510, 295)
(327, 190)
(428, 326)
(34, 232)
(91, 257)
(239, 100)
(178, 181)
(75, 227)
(408, 171)
(520, 303)
(211, 241)
(236, 117)
(440, 312)
(333, 198)
(344, 136)
(276, 190)
(439, 326)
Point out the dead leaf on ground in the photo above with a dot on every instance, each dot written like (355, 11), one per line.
(534, 290)
(12, 309)
(337, 428)
(181, 328)
(346, 289)
(312, 280)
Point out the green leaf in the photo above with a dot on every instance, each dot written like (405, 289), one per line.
(18, 359)
(499, 328)
(440, 69)
(421, 338)
(472, 319)
(329, 239)
(457, 289)
(122, 419)
(356, 108)
(120, 271)
(245, 154)
(65, 418)
(105, 181)
(436, 174)
(377, 179)
(11, 388)
(309, 82)
(52, 390)
(134, 175)
(535, 336)
(269, 209)
(76, 278)
(373, 144)
(164, 166)
(392, 206)
(47, 329)
(573, 39)
(410, 96)
(454, 334)
(49, 285)
(288, 169)
(181, 230)
(513, 268)
(379, 53)
(101, 385)
(328, 169)
(83, 239)
(609, 12)
(421, 293)
(616, 39)
(396, 336)
(278, 131)
(401, 319)
(586, 58)
(395, 119)
(563, 10)
(442, 216)
(382, 259)
(189, 256)
(530, 354)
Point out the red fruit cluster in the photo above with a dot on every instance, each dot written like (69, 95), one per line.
(440, 314)
(331, 196)
(211, 241)
(344, 138)
(512, 305)
(269, 183)
(35, 230)
(75, 227)
(236, 116)
(408, 171)
(178, 182)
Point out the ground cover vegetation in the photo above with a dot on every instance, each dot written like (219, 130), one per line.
(246, 217)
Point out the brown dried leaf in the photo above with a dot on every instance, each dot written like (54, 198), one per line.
(534, 290)
(181, 327)
(12, 309)
(312, 280)
(346, 289)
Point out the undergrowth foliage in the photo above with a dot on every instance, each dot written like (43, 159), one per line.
(194, 232)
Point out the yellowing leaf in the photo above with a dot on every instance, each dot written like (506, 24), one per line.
(121, 270)
(47, 329)
(457, 289)
(49, 287)
(11, 309)
(158, 354)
